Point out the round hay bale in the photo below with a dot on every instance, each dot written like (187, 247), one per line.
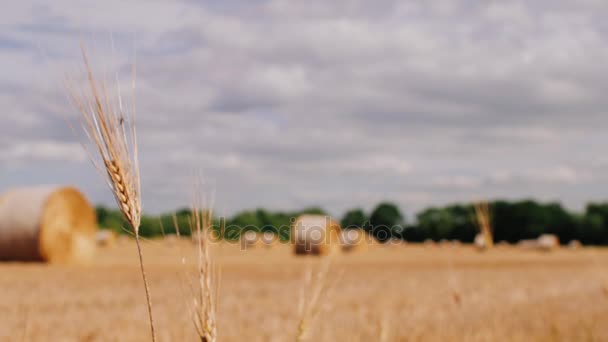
(429, 243)
(480, 241)
(105, 238)
(315, 235)
(527, 244)
(503, 244)
(353, 240)
(548, 242)
(50, 224)
(575, 244)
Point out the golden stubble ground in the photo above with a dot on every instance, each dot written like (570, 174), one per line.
(406, 293)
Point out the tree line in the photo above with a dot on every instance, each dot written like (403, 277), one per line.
(512, 221)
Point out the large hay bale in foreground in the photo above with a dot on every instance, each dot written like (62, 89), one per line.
(315, 235)
(353, 240)
(51, 224)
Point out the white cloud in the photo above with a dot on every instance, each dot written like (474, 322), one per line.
(355, 101)
(42, 150)
(457, 182)
(560, 174)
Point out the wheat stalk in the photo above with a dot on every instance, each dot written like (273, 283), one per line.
(175, 225)
(206, 298)
(111, 129)
(162, 226)
(482, 215)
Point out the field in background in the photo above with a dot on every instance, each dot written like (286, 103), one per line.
(408, 293)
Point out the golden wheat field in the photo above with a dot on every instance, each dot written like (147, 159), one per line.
(390, 293)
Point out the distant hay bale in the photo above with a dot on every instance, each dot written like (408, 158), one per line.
(49, 224)
(503, 244)
(480, 241)
(575, 244)
(545, 242)
(445, 243)
(353, 240)
(269, 239)
(315, 235)
(250, 239)
(548, 242)
(105, 238)
(528, 244)
(123, 239)
(484, 223)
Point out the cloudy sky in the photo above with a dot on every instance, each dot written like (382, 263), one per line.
(286, 104)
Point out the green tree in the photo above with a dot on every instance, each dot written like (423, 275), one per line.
(593, 229)
(354, 218)
(452, 222)
(245, 220)
(111, 219)
(313, 211)
(385, 220)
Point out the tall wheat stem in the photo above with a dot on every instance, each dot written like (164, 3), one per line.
(148, 297)
(110, 128)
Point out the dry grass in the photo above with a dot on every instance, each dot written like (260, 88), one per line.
(110, 127)
(314, 295)
(508, 295)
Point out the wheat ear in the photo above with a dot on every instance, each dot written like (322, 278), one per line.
(110, 128)
(206, 298)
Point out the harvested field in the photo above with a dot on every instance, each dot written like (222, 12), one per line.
(407, 293)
